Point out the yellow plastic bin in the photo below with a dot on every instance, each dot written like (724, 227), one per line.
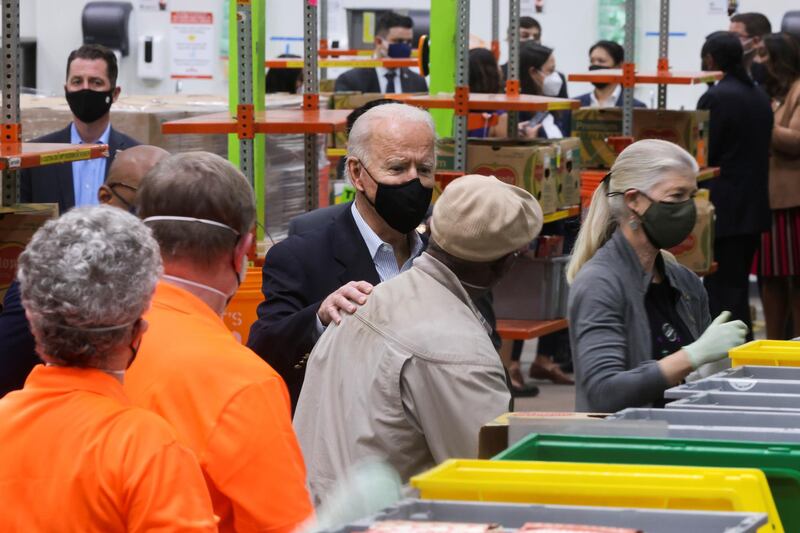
(602, 485)
(241, 312)
(766, 353)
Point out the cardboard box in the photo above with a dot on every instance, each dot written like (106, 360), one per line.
(697, 251)
(688, 129)
(526, 164)
(16, 230)
(568, 171)
(493, 437)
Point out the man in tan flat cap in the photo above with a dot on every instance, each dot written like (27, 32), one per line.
(411, 376)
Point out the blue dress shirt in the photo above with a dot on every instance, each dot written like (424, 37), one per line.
(88, 175)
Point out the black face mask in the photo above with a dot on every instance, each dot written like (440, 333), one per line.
(402, 206)
(667, 224)
(88, 105)
(592, 68)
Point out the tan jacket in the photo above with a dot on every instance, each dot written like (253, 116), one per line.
(784, 167)
(409, 378)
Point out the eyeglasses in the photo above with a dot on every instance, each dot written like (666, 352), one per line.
(131, 208)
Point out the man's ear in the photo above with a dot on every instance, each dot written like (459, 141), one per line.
(104, 195)
(114, 96)
(354, 171)
(243, 246)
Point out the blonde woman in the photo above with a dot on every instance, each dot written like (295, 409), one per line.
(639, 321)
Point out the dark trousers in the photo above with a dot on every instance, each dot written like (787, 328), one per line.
(728, 288)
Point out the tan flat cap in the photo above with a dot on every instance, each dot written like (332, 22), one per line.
(481, 219)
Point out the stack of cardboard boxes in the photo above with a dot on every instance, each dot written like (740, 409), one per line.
(688, 129)
(549, 170)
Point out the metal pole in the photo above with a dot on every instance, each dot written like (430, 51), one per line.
(244, 35)
(323, 31)
(513, 60)
(462, 80)
(627, 92)
(311, 88)
(10, 70)
(663, 50)
(496, 28)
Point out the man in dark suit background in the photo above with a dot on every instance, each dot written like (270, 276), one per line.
(90, 89)
(312, 278)
(393, 38)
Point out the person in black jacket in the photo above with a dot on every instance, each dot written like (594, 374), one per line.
(739, 138)
(312, 278)
(90, 89)
(393, 38)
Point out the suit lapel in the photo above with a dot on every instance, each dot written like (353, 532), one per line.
(351, 253)
(374, 83)
(66, 188)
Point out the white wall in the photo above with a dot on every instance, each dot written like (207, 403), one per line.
(569, 26)
(58, 31)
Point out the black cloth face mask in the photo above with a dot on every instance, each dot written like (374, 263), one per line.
(88, 105)
(402, 206)
(667, 224)
(592, 68)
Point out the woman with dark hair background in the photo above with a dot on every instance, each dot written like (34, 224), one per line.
(284, 80)
(485, 77)
(779, 255)
(538, 76)
(605, 55)
(738, 143)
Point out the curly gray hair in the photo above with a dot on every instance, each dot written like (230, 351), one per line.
(92, 268)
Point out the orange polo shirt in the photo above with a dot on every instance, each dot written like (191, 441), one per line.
(77, 456)
(229, 406)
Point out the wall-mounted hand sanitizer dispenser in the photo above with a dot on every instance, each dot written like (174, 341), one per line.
(152, 57)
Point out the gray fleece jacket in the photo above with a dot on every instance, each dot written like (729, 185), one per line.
(610, 332)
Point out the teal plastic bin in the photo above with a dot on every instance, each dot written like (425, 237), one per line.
(779, 462)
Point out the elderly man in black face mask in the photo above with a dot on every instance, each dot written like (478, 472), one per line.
(311, 280)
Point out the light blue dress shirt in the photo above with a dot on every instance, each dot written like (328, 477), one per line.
(382, 253)
(88, 175)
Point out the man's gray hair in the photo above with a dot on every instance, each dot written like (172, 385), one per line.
(198, 185)
(85, 278)
(358, 146)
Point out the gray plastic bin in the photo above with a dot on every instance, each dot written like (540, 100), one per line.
(534, 289)
(740, 401)
(514, 516)
(717, 424)
(789, 373)
(738, 385)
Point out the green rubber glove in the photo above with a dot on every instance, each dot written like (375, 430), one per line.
(716, 341)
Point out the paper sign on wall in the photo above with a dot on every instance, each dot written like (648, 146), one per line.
(192, 45)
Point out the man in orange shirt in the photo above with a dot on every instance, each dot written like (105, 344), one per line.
(225, 402)
(77, 456)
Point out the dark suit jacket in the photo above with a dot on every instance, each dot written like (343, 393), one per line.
(738, 142)
(298, 274)
(53, 183)
(17, 347)
(365, 80)
(586, 100)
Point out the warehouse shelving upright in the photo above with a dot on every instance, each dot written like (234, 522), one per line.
(14, 154)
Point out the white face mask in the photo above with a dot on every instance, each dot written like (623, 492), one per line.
(552, 84)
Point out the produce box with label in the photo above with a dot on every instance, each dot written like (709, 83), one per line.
(16, 230)
(526, 164)
(688, 129)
